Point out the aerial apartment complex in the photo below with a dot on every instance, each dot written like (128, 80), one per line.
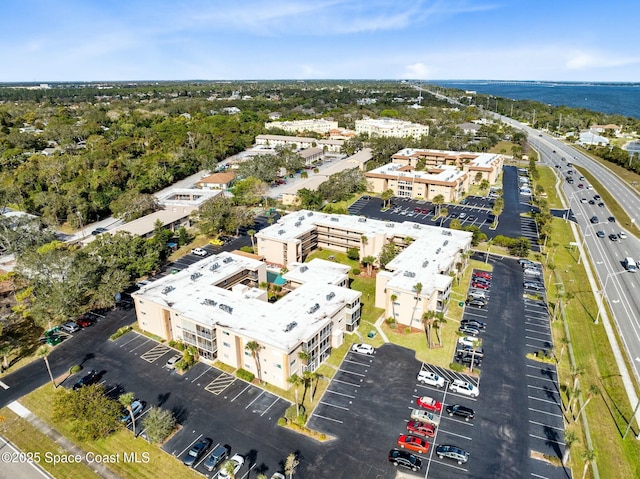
(445, 173)
(390, 127)
(318, 125)
(299, 142)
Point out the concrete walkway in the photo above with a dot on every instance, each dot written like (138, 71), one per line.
(60, 440)
(378, 326)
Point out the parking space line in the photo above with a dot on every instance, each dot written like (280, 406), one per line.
(539, 476)
(155, 353)
(543, 400)
(542, 340)
(541, 378)
(220, 383)
(351, 372)
(449, 465)
(132, 350)
(265, 411)
(345, 382)
(356, 362)
(135, 336)
(188, 447)
(205, 372)
(547, 425)
(456, 435)
(537, 332)
(240, 393)
(547, 390)
(341, 394)
(256, 398)
(334, 405)
(328, 418)
(546, 439)
(545, 412)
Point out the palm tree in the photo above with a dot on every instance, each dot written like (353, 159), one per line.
(304, 359)
(252, 234)
(438, 200)
(255, 348)
(593, 391)
(291, 464)
(589, 456)
(307, 379)
(569, 438)
(443, 214)
(565, 342)
(229, 469)
(43, 352)
(418, 290)
(126, 400)
(437, 324)
(295, 380)
(427, 322)
(5, 350)
(386, 196)
(394, 297)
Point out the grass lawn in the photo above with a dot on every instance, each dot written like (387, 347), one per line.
(548, 177)
(160, 463)
(29, 440)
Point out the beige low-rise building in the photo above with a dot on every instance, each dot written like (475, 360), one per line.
(390, 127)
(299, 142)
(418, 280)
(317, 125)
(217, 181)
(216, 306)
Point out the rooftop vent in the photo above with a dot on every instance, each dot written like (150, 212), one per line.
(438, 250)
(446, 242)
(389, 225)
(280, 232)
(298, 223)
(290, 326)
(314, 308)
(333, 218)
(362, 219)
(228, 259)
(416, 227)
(303, 268)
(214, 266)
(409, 274)
(168, 289)
(226, 308)
(446, 232)
(209, 302)
(310, 213)
(300, 218)
(331, 295)
(195, 276)
(425, 263)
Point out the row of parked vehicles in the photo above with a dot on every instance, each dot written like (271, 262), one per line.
(424, 421)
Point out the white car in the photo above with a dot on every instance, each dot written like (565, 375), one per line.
(532, 272)
(237, 460)
(171, 363)
(463, 387)
(432, 379)
(363, 348)
(199, 252)
(468, 341)
(622, 235)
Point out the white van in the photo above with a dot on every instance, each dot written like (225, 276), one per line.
(630, 265)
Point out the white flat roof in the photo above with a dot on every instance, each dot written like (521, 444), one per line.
(449, 173)
(192, 294)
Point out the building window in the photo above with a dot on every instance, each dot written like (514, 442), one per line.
(247, 353)
(226, 345)
(225, 333)
(279, 366)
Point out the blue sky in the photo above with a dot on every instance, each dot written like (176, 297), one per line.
(64, 40)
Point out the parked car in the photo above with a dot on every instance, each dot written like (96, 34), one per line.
(421, 428)
(474, 323)
(199, 449)
(482, 274)
(533, 285)
(219, 454)
(363, 348)
(468, 341)
(467, 359)
(98, 231)
(405, 459)
(237, 460)
(70, 327)
(532, 272)
(429, 404)
(468, 330)
(425, 416)
(199, 252)
(462, 215)
(171, 362)
(464, 387)
(413, 443)
(525, 263)
(84, 321)
(430, 378)
(459, 410)
(452, 452)
(462, 350)
(90, 378)
(136, 408)
(476, 302)
(479, 285)
(475, 294)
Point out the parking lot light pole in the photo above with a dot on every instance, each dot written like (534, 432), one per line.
(603, 292)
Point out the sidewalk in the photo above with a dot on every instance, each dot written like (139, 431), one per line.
(60, 440)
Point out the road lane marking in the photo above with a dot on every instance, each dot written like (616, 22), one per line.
(4, 386)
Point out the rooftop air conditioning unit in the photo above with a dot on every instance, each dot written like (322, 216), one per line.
(228, 259)
(333, 218)
(280, 232)
(303, 268)
(438, 250)
(446, 242)
(362, 220)
(331, 295)
(298, 224)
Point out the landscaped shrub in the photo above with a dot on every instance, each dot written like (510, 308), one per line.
(355, 271)
(75, 369)
(120, 332)
(353, 254)
(246, 375)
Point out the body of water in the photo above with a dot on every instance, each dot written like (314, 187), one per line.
(612, 98)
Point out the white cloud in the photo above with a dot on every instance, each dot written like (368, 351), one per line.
(416, 71)
(584, 60)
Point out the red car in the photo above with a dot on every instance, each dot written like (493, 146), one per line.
(413, 443)
(429, 404)
(416, 210)
(421, 428)
(84, 322)
(425, 212)
(482, 274)
(477, 284)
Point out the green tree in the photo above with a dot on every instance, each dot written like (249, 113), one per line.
(353, 254)
(295, 381)
(94, 416)
(386, 196)
(592, 391)
(427, 322)
(309, 199)
(252, 234)
(132, 205)
(158, 424)
(254, 348)
(368, 261)
(249, 191)
(569, 439)
(387, 253)
(291, 464)
(418, 291)
(126, 400)
(438, 200)
(394, 298)
(588, 456)
(304, 357)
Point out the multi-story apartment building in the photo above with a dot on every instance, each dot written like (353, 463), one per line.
(216, 306)
(390, 127)
(299, 142)
(318, 125)
(419, 278)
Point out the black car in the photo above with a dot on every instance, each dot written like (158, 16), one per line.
(477, 302)
(611, 219)
(459, 410)
(596, 197)
(601, 204)
(452, 452)
(468, 358)
(474, 323)
(198, 450)
(98, 231)
(600, 234)
(613, 237)
(87, 380)
(405, 459)
(462, 350)
(591, 202)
